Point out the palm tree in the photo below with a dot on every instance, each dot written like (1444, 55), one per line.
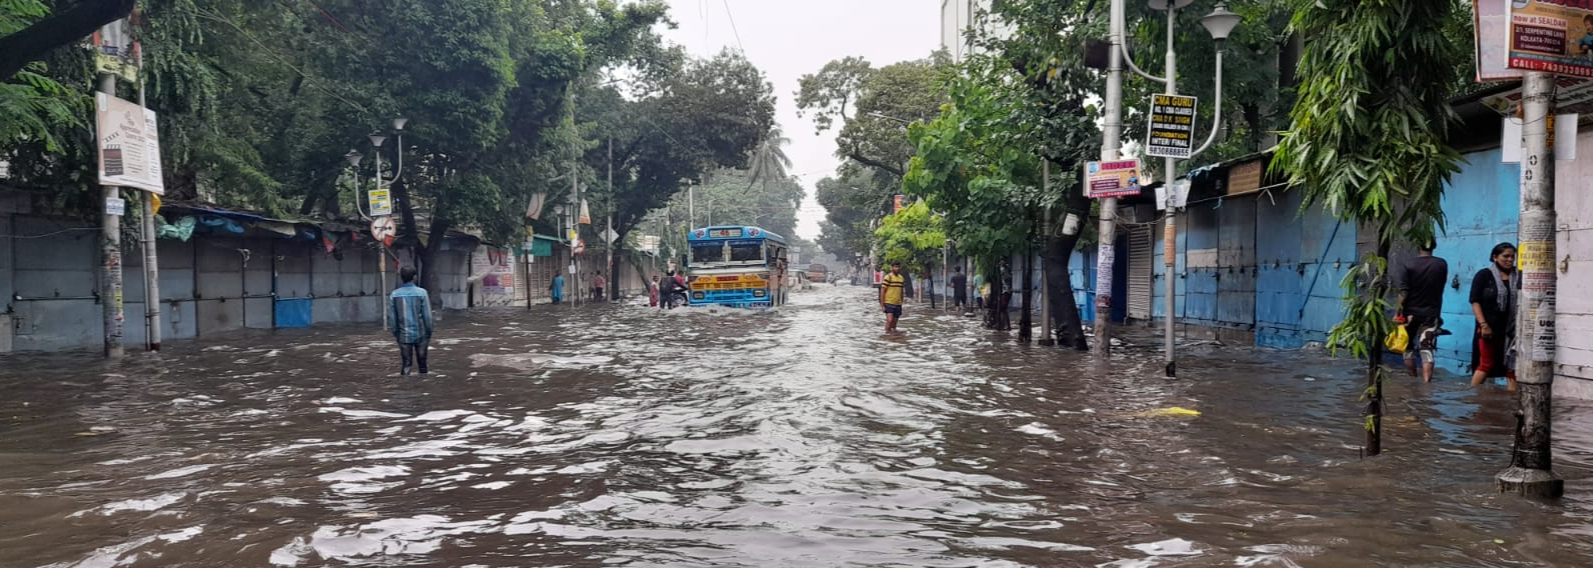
(769, 161)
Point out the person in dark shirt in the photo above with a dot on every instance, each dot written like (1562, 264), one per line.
(1495, 293)
(1421, 304)
(959, 289)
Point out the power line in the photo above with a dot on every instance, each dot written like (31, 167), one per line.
(733, 26)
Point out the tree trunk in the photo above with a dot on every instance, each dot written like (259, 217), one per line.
(1025, 321)
(1058, 260)
(1374, 365)
(430, 273)
(406, 211)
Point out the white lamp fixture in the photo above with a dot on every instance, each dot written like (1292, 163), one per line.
(354, 157)
(398, 123)
(377, 140)
(1162, 4)
(1221, 22)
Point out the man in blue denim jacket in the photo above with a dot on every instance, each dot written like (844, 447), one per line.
(411, 319)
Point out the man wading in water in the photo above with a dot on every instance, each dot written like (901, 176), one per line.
(890, 296)
(411, 321)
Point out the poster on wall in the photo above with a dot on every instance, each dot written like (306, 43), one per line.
(493, 268)
(1554, 36)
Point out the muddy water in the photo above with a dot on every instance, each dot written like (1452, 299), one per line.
(614, 435)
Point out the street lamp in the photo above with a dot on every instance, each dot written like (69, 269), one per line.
(398, 129)
(1219, 23)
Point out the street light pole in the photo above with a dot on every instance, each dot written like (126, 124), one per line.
(381, 264)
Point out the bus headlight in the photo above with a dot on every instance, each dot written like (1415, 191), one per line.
(698, 296)
(759, 293)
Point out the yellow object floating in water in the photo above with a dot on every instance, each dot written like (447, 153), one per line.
(1173, 412)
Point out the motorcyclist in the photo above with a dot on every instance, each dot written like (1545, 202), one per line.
(672, 291)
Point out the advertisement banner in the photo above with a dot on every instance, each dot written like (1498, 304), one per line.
(1491, 21)
(1111, 179)
(1172, 126)
(492, 269)
(1554, 36)
(129, 145)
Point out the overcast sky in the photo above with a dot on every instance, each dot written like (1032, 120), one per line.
(788, 39)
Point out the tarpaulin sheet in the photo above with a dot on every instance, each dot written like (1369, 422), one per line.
(293, 312)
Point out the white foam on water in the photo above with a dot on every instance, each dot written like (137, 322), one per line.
(1169, 547)
(181, 472)
(362, 413)
(438, 415)
(182, 535)
(1038, 429)
(152, 504)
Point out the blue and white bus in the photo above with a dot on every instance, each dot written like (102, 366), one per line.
(736, 266)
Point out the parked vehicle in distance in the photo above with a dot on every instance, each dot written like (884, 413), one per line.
(818, 273)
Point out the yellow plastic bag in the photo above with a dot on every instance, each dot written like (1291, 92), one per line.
(1397, 340)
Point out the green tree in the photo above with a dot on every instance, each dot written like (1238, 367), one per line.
(1368, 143)
(704, 115)
(769, 162)
(913, 236)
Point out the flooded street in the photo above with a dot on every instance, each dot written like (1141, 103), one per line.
(618, 435)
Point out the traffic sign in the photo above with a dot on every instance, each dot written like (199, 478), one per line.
(383, 229)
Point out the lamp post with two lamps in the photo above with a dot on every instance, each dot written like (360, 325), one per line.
(1220, 23)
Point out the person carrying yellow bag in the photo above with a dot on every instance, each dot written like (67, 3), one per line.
(1399, 339)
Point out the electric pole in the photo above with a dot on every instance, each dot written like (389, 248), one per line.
(1531, 471)
(1111, 130)
(111, 253)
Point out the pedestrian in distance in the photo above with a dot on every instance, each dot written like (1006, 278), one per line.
(1495, 294)
(959, 288)
(598, 284)
(556, 289)
(891, 291)
(1421, 305)
(979, 291)
(411, 307)
(652, 292)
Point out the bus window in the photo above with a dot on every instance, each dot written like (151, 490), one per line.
(706, 253)
(746, 253)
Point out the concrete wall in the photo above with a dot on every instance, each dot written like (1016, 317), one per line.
(209, 285)
(1574, 302)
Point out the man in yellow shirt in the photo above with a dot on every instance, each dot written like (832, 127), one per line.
(890, 296)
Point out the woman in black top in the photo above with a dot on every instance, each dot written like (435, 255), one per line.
(1495, 292)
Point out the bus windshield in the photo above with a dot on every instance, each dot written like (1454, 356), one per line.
(715, 252)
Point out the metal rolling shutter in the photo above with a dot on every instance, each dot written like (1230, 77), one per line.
(1140, 253)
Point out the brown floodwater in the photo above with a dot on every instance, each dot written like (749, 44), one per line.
(619, 435)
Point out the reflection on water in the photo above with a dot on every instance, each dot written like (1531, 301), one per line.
(620, 435)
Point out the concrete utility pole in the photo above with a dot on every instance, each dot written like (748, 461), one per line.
(152, 320)
(111, 255)
(1045, 275)
(1111, 131)
(1531, 470)
(1170, 232)
(608, 267)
